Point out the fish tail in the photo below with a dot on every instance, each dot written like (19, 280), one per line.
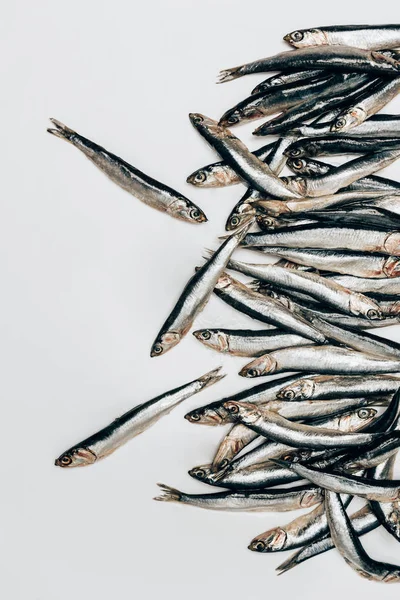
(288, 564)
(61, 130)
(169, 494)
(212, 377)
(229, 74)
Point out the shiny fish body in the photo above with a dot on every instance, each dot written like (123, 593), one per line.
(324, 359)
(361, 218)
(311, 284)
(262, 308)
(194, 297)
(368, 37)
(330, 58)
(338, 386)
(347, 263)
(271, 500)
(144, 188)
(387, 513)
(220, 174)
(339, 145)
(378, 125)
(384, 287)
(250, 168)
(277, 428)
(284, 80)
(245, 342)
(132, 423)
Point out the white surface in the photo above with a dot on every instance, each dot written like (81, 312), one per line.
(89, 275)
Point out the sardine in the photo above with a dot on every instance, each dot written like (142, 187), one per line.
(369, 37)
(310, 147)
(338, 386)
(287, 79)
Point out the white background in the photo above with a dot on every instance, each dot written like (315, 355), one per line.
(89, 274)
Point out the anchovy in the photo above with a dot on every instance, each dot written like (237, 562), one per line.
(220, 174)
(310, 283)
(271, 500)
(310, 147)
(284, 80)
(309, 410)
(250, 168)
(348, 544)
(265, 309)
(363, 109)
(347, 263)
(330, 58)
(144, 188)
(374, 455)
(264, 103)
(368, 37)
(387, 513)
(378, 125)
(279, 429)
(325, 359)
(132, 423)
(338, 386)
(384, 287)
(362, 218)
(246, 342)
(194, 297)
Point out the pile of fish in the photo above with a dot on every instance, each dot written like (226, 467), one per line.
(329, 430)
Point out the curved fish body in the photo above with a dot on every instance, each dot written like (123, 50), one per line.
(331, 145)
(284, 80)
(220, 174)
(349, 546)
(142, 186)
(132, 423)
(194, 297)
(275, 427)
(324, 359)
(368, 37)
(332, 58)
(247, 501)
(264, 309)
(387, 513)
(311, 284)
(363, 109)
(250, 168)
(338, 386)
(354, 263)
(247, 342)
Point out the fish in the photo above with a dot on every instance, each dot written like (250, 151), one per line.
(132, 423)
(247, 501)
(365, 285)
(325, 359)
(250, 168)
(195, 296)
(220, 174)
(361, 110)
(331, 58)
(312, 284)
(360, 217)
(349, 546)
(368, 37)
(387, 126)
(342, 176)
(142, 186)
(283, 80)
(279, 429)
(262, 308)
(387, 513)
(372, 456)
(354, 263)
(264, 103)
(247, 342)
(338, 386)
(331, 145)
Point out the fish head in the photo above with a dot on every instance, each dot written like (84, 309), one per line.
(265, 221)
(304, 166)
(361, 305)
(270, 541)
(302, 38)
(391, 267)
(311, 497)
(182, 208)
(240, 216)
(204, 177)
(224, 282)
(231, 117)
(356, 420)
(300, 389)
(296, 456)
(348, 119)
(263, 365)
(76, 457)
(268, 84)
(296, 150)
(296, 184)
(213, 338)
(246, 412)
(165, 342)
(392, 243)
(202, 473)
(208, 127)
(209, 415)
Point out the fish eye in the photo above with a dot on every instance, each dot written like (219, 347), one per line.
(233, 409)
(200, 177)
(233, 119)
(206, 335)
(252, 372)
(288, 457)
(341, 122)
(266, 221)
(295, 152)
(284, 180)
(364, 413)
(157, 348)
(235, 221)
(373, 314)
(197, 119)
(297, 36)
(195, 416)
(258, 546)
(297, 164)
(195, 213)
(224, 463)
(289, 394)
(66, 460)
(200, 474)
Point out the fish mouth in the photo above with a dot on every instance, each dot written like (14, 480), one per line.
(287, 38)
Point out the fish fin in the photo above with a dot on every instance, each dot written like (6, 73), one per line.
(169, 494)
(212, 377)
(228, 74)
(287, 564)
(61, 131)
